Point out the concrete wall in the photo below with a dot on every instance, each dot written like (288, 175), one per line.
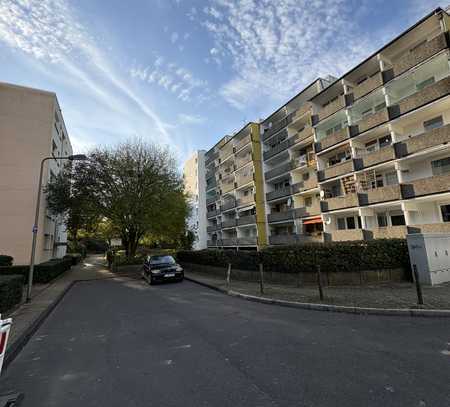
(27, 128)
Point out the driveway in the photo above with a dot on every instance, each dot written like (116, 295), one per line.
(120, 342)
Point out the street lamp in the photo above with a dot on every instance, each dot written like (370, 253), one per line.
(75, 157)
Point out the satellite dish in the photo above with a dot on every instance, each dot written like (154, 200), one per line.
(289, 202)
(322, 193)
(327, 221)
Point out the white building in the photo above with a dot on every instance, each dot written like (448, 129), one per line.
(31, 128)
(195, 186)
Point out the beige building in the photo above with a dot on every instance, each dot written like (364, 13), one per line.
(31, 128)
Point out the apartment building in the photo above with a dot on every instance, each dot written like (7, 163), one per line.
(195, 188)
(291, 188)
(381, 139)
(235, 191)
(31, 128)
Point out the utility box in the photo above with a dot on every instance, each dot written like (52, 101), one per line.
(430, 253)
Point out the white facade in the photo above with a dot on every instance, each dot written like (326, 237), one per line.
(195, 187)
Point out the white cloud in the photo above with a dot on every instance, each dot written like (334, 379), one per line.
(174, 37)
(276, 48)
(191, 119)
(48, 30)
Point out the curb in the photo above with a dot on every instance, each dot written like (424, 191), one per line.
(402, 312)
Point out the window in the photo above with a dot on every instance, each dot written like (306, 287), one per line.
(445, 210)
(382, 220)
(351, 222)
(385, 141)
(397, 220)
(341, 223)
(433, 123)
(441, 167)
(425, 83)
(372, 146)
(308, 201)
(391, 178)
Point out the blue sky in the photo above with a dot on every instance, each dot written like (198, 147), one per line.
(185, 73)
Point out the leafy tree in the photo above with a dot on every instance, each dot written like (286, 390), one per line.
(134, 186)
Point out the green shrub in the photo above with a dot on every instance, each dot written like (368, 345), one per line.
(6, 260)
(331, 256)
(11, 289)
(43, 272)
(75, 258)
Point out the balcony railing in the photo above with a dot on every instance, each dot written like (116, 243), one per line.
(279, 193)
(300, 161)
(214, 243)
(240, 162)
(212, 214)
(229, 242)
(418, 99)
(349, 234)
(229, 223)
(336, 170)
(278, 126)
(382, 155)
(430, 228)
(213, 228)
(277, 149)
(302, 135)
(283, 239)
(211, 158)
(247, 139)
(389, 232)
(244, 179)
(211, 200)
(227, 187)
(419, 54)
(426, 186)
(373, 120)
(339, 202)
(281, 169)
(226, 151)
(301, 111)
(382, 194)
(423, 141)
(304, 185)
(368, 86)
(247, 241)
(246, 200)
(229, 204)
(281, 216)
(246, 220)
(332, 107)
(333, 139)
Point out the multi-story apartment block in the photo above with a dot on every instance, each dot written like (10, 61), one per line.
(31, 128)
(235, 192)
(195, 188)
(381, 139)
(292, 193)
(360, 157)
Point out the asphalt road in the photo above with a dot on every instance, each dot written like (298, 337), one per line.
(124, 343)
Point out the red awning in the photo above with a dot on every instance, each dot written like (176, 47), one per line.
(312, 221)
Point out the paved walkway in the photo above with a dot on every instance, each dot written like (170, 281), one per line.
(388, 295)
(44, 295)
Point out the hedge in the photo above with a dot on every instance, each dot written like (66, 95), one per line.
(6, 260)
(75, 258)
(10, 291)
(331, 256)
(43, 272)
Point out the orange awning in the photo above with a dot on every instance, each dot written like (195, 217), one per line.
(312, 221)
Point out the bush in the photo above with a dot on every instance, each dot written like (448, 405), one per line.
(10, 291)
(331, 256)
(43, 272)
(76, 247)
(75, 258)
(6, 260)
(94, 245)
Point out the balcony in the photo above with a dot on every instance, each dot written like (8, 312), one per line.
(333, 139)
(226, 151)
(240, 162)
(211, 214)
(430, 228)
(418, 99)
(339, 202)
(373, 120)
(390, 232)
(302, 161)
(211, 200)
(229, 204)
(367, 86)
(211, 157)
(278, 126)
(229, 242)
(213, 228)
(419, 54)
(382, 155)
(281, 216)
(304, 185)
(280, 170)
(247, 139)
(336, 170)
(426, 140)
(227, 187)
(345, 235)
(229, 223)
(247, 241)
(213, 243)
(311, 210)
(245, 200)
(244, 179)
(212, 184)
(283, 239)
(382, 194)
(426, 186)
(302, 135)
(277, 149)
(332, 107)
(279, 193)
(246, 220)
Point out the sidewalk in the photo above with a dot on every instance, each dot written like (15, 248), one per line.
(381, 296)
(45, 296)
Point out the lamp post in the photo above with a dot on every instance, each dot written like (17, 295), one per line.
(76, 157)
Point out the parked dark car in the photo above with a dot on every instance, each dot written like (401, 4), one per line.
(161, 268)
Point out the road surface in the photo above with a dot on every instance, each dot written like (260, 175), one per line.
(124, 343)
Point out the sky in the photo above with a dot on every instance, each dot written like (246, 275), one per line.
(185, 73)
